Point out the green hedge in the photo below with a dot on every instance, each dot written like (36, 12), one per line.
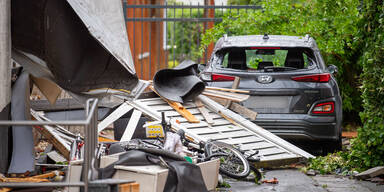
(368, 148)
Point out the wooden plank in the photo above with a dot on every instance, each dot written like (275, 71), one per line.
(235, 85)
(226, 89)
(373, 172)
(208, 118)
(116, 114)
(183, 111)
(131, 126)
(179, 108)
(56, 141)
(229, 119)
(104, 139)
(164, 108)
(23, 180)
(129, 187)
(226, 95)
(350, 135)
(48, 175)
(243, 111)
(174, 113)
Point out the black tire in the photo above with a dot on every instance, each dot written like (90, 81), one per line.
(233, 163)
(163, 153)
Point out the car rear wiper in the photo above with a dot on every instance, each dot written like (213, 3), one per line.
(276, 69)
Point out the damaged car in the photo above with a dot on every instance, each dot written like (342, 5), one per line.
(295, 95)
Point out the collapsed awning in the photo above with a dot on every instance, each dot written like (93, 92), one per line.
(105, 22)
(82, 43)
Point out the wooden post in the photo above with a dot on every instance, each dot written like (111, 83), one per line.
(5, 79)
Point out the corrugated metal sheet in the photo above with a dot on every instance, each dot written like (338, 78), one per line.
(105, 21)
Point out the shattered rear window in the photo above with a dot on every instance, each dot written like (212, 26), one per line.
(256, 58)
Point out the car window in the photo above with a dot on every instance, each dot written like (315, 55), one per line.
(256, 58)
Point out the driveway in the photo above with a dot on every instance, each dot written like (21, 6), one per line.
(292, 180)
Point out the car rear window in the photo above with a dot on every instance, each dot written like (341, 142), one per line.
(257, 58)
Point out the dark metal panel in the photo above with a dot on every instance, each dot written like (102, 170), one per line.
(5, 140)
(52, 31)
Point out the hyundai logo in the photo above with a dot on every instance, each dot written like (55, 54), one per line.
(264, 79)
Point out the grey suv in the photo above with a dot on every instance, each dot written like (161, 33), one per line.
(295, 95)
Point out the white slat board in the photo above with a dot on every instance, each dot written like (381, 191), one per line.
(223, 130)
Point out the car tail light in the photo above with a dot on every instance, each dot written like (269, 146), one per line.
(319, 78)
(219, 77)
(328, 107)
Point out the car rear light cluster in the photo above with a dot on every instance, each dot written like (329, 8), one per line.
(318, 78)
(216, 77)
(321, 108)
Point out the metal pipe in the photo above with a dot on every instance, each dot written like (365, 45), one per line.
(53, 184)
(176, 6)
(76, 122)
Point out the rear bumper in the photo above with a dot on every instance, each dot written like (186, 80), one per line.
(300, 126)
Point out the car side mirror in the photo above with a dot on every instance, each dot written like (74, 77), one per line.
(333, 69)
(201, 67)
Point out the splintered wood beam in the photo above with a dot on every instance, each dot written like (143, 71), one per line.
(235, 85)
(53, 138)
(226, 95)
(23, 180)
(182, 111)
(179, 108)
(208, 118)
(243, 111)
(48, 175)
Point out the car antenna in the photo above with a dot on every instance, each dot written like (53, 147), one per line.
(265, 37)
(225, 37)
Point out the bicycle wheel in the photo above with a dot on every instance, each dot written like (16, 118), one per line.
(232, 162)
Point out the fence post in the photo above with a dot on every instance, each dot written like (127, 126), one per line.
(5, 79)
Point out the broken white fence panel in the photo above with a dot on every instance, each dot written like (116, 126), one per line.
(131, 126)
(239, 131)
(115, 115)
(253, 127)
